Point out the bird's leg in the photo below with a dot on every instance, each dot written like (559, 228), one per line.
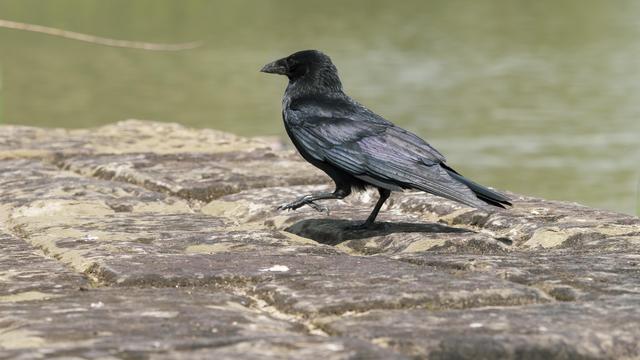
(339, 193)
(384, 195)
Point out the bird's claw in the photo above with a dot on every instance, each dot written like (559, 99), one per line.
(318, 208)
(283, 207)
(301, 202)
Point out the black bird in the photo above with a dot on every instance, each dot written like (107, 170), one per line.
(358, 148)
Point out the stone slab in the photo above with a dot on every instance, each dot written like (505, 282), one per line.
(163, 323)
(137, 239)
(27, 275)
(130, 136)
(429, 222)
(606, 329)
(199, 176)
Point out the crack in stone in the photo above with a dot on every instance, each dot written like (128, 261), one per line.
(194, 205)
(260, 304)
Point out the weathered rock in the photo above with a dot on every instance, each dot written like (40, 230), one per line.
(197, 176)
(89, 223)
(166, 322)
(563, 275)
(550, 331)
(26, 275)
(292, 348)
(192, 164)
(131, 136)
(147, 240)
(343, 284)
(531, 223)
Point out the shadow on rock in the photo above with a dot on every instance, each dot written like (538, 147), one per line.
(336, 231)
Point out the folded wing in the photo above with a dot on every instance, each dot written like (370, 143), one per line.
(378, 153)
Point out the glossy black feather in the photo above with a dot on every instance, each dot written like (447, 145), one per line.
(357, 147)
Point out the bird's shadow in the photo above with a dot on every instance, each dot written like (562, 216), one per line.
(336, 231)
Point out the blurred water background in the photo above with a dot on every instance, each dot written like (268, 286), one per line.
(538, 97)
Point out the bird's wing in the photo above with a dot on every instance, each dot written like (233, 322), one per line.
(345, 108)
(377, 151)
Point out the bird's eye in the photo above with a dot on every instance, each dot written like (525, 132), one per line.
(295, 68)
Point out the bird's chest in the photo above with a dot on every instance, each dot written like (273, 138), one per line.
(290, 116)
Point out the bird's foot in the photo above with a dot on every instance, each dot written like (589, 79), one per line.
(317, 207)
(305, 200)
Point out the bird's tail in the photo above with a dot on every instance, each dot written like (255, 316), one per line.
(483, 193)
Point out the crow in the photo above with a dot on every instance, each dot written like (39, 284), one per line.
(358, 148)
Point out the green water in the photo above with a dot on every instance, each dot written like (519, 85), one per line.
(538, 97)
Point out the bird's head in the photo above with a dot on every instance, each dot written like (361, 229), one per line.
(311, 67)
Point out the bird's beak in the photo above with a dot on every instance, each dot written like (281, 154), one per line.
(276, 67)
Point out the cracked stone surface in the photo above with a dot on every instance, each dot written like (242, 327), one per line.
(125, 137)
(26, 274)
(550, 331)
(151, 240)
(143, 322)
(198, 176)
